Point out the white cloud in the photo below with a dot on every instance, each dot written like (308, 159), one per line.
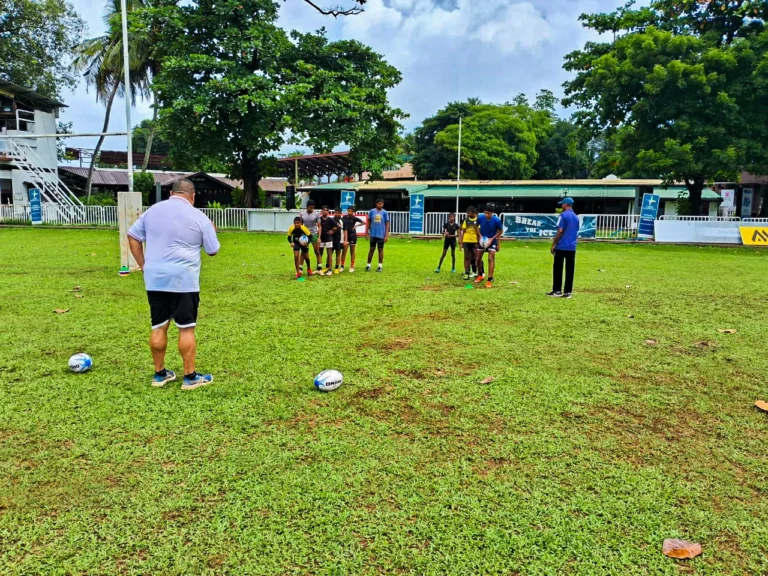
(447, 50)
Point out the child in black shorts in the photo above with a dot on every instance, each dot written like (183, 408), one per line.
(298, 238)
(450, 233)
(350, 222)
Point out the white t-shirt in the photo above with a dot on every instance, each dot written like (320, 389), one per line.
(174, 231)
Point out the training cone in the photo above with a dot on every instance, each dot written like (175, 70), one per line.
(469, 287)
(301, 279)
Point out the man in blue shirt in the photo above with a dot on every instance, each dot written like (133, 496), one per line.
(491, 231)
(377, 233)
(564, 249)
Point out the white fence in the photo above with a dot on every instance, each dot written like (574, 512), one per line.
(609, 226)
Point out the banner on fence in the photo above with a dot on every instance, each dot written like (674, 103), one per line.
(416, 220)
(746, 203)
(648, 215)
(35, 207)
(347, 200)
(544, 226)
(754, 236)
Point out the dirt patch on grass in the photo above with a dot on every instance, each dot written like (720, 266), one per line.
(370, 394)
(397, 344)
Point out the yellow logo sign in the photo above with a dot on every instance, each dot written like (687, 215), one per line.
(754, 236)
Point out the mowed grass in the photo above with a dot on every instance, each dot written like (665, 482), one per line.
(586, 451)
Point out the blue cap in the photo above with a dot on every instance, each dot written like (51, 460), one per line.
(567, 200)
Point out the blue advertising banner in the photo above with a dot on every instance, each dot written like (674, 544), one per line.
(35, 207)
(416, 220)
(544, 226)
(347, 200)
(648, 215)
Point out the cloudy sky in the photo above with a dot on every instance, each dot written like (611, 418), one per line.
(447, 50)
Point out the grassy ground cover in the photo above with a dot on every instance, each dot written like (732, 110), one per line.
(588, 449)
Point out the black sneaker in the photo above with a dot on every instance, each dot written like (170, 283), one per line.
(568, 295)
(555, 294)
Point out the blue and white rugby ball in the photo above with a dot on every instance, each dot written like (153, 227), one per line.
(80, 363)
(328, 380)
(303, 240)
(485, 242)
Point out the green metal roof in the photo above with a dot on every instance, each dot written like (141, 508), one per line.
(673, 193)
(530, 192)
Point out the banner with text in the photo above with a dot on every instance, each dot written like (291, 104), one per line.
(35, 207)
(648, 215)
(544, 226)
(416, 220)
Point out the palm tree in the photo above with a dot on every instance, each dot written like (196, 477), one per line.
(100, 60)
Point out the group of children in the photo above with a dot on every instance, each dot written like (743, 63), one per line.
(478, 235)
(335, 235)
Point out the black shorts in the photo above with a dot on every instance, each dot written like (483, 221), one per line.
(337, 244)
(299, 248)
(181, 307)
(352, 240)
(449, 243)
(470, 246)
(377, 242)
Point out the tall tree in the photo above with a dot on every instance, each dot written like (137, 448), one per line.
(235, 86)
(679, 89)
(100, 60)
(36, 39)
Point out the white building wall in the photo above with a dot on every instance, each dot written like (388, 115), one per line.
(44, 148)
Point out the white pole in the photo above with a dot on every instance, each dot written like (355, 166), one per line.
(127, 85)
(458, 172)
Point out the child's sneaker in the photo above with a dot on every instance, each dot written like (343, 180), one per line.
(298, 275)
(328, 272)
(342, 268)
(473, 276)
(489, 284)
(352, 269)
(336, 271)
(437, 271)
(368, 268)
(466, 277)
(197, 381)
(555, 294)
(568, 295)
(380, 268)
(453, 270)
(160, 379)
(479, 279)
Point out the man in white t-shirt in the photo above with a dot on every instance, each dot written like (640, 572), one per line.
(174, 231)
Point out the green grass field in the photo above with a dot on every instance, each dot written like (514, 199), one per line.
(586, 451)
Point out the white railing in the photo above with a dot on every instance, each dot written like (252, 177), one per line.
(434, 222)
(700, 218)
(228, 218)
(755, 220)
(56, 214)
(617, 226)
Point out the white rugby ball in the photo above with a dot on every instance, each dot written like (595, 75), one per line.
(80, 363)
(303, 240)
(485, 242)
(328, 380)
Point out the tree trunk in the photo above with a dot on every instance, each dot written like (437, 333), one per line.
(251, 179)
(89, 181)
(151, 136)
(695, 188)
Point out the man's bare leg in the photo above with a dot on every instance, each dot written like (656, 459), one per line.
(188, 349)
(158, 342)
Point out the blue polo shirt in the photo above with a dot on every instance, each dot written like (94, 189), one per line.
(569, 224)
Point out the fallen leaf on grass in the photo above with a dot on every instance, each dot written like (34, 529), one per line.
(77, 289)
(61, 310)
(487, 380)
(79, 295)
(631, 316)
(727, 331)
(600, 270)
(515, 283)
(628, 286)
(680, 549)
(761, 405)
(651, 342)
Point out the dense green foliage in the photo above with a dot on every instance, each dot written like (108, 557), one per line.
(682, 89)
(36, 40)
(513, 141)
(588, 449)
(144, 182)
(234, 86)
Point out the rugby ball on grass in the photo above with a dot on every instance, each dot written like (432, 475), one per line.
(328, 380)
(80, 363)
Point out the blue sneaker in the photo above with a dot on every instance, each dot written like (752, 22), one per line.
(438, 270)
(159, 381)
(453, 270)
(197, 382)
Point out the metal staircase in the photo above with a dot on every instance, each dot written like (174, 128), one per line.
(53, 190)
